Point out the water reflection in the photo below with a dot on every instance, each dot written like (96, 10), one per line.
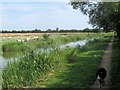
(71, 44)
(74, 44)
(10, 56)
(3, 62)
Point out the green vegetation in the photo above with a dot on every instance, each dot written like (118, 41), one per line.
(104, 15)
(46, 41)
(81, 68)
(0, 47)
(46, 36)
(14, 47)
(71, 67)
(115, 65)
(52, 31)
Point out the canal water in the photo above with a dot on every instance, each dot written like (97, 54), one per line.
(4, 59)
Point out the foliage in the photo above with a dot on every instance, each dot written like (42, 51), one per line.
(47, 31)
(115, 64)
(101, 14)
(81, 72)
(31, 68)
(46, 36)
(13, 46)
(27, 69)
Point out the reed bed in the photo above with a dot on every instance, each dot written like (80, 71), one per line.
(31, 68)
(52, 40)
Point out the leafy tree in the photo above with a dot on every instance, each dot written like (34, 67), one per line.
(104, 15)
(57, 29)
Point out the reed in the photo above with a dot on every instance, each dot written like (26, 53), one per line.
(71, 67)
(14, 46)
(30, 68)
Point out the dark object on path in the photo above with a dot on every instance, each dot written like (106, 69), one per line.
(100, 76)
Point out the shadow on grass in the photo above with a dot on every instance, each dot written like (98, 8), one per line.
(115, 63)
(82, 72)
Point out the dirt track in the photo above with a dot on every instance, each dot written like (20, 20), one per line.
(105, 63)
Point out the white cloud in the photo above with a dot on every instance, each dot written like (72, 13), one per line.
(1, 9)
(42, 15)
(34, 1)
(59, 0)
(17, 6)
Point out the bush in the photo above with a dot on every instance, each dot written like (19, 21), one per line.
(46, 36)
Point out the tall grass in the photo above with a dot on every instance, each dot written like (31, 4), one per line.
(25, 71)
(115, 65)
(11, 47)
(77, 66)
(45, 42)
(81, 72)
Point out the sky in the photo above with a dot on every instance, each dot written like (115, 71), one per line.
(41, 15)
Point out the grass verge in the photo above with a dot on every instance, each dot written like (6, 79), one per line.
(52, 40)
(115, 64)
(81, 71)
(68, 68)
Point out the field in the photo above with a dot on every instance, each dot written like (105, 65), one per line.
(71, 67)
(14, 42)
(25, 35)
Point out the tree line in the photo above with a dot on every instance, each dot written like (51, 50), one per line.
(53, 31)
(104, 15)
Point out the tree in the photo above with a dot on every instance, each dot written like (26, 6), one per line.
(101, 14)
(57, 29)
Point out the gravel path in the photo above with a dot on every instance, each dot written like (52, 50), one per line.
(105, 63)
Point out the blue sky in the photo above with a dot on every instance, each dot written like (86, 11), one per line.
(41, 15)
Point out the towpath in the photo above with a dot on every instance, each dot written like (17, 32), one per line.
(105, 63)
